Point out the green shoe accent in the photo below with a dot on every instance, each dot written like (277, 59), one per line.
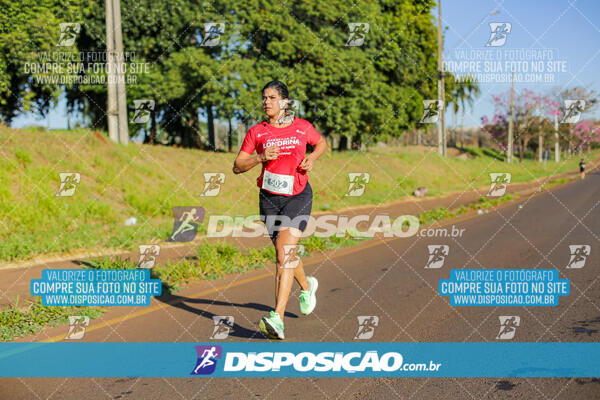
(272, 326)
(308, 298)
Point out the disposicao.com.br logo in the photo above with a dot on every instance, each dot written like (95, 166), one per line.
(327, 362)
(321, 226)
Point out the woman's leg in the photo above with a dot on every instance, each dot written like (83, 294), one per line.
(299, 274)
(284, 277)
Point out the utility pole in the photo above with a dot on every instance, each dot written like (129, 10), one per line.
(441, 95)
(121, 95)
(556, 144)
(540, 147)
(511, 121)
(117, 101)
(113, 117)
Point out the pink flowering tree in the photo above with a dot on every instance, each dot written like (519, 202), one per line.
(567, 131)
(586, 134)
(531, 114)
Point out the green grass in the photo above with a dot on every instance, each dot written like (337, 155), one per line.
(23, 157)
(142, 181)
(16, 321)
(437, 214)
(211, 261)
(479, 152)
(442, 213)
(554, 182)
(485, 202)
(216, 260)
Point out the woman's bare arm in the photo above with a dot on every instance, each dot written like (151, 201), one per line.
(245, 162)
(309, 160)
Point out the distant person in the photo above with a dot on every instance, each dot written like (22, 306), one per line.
(280, 143)
(582, 168)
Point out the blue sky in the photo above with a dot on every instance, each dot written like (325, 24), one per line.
(568, 30)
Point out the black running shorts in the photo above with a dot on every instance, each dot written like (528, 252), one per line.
(277, 210)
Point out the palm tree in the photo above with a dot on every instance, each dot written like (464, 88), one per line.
(463, 91)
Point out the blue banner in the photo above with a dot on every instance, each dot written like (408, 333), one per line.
(504, 287)
(313, 359)
(96, 287)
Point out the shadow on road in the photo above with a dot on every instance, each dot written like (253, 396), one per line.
(586, 326)
(188, 304)
(192, 304)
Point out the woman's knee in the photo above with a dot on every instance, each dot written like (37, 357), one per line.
(280, 258)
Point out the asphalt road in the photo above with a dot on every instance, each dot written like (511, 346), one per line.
(385, 279)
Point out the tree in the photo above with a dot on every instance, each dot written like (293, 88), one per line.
(364, 92)
(531, 111)
(368, 92)
(459, 93)
(590, 97)
(586, 134)
(152, 32)
(29, 33)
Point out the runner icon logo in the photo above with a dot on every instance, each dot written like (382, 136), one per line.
(499, 183)
(68, 183)
(212, 183)
(508, 327)
(437, 255)
(358, 183)
(366, 326)
(579, 254)
(148, 255)
(142, 111)
(498, 33)
(223, 324)
(207, 359)
(358, 33)
(77, 325)
(288, 109)
(212, 34)
(68, 33)
(292, 254)
(573, 110)
(185, 223)
(431, 111)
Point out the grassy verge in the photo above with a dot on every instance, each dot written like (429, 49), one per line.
(554, 182)
(145, 182)
(216, 260)
(442, 213)
(211, 261)
(17, 321)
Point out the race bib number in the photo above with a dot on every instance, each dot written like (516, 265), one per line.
(276, 183)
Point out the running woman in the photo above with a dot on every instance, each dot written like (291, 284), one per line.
(285, 198)
(582, 168)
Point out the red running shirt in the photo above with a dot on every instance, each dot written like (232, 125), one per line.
(282, 175)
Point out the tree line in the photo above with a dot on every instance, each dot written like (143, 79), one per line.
(369, 92)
